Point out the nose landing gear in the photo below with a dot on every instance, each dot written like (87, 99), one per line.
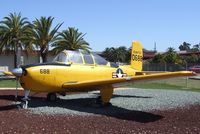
(24, 103)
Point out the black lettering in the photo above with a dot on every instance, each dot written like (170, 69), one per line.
(44, 71)
(48, 72)
(136, 57)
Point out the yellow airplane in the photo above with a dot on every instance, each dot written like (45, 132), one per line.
(74, 71)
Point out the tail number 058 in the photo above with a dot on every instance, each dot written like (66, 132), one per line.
(136, 57)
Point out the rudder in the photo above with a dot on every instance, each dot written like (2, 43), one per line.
(136, 56)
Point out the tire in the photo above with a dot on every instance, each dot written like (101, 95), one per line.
(51, 97)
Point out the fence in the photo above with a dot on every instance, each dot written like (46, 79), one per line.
(167, 66)
(183, 83)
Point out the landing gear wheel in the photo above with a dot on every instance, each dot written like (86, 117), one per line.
(107, 104)
(62, 93)
(24, 104)
(51, 97)
(99, 102)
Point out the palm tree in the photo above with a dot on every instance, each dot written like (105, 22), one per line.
(121, 53)
(196, 47)
(171, 50)
(170, 56)
(14, 30)
(184, 46)
(43, 36)
(109, 54)
(71, 39)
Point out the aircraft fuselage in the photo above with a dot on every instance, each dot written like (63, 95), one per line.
(50, 77)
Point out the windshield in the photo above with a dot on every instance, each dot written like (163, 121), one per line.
(61, 57)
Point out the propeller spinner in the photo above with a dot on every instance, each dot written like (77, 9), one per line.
(17, 72)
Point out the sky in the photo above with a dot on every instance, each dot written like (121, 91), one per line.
(114, 23)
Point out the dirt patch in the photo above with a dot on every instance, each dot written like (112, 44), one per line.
(14, 120)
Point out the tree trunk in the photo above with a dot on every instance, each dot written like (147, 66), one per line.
(44, 56)
(17, 56)
(44, 53)
(15, 60)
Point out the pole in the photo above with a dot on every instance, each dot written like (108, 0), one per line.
(186, 70)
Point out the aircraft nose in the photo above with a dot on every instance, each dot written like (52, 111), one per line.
(17, 72)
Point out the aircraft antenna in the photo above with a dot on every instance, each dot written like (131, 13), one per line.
(155, 47)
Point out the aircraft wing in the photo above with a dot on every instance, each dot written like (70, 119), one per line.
(94, 83)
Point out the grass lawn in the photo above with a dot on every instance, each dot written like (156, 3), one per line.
(8, 83)
(174, 83)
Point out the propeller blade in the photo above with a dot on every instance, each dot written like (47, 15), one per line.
(18, 71)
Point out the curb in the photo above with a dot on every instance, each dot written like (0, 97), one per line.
(10, 88)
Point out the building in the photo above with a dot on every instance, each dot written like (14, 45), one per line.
(7, 58)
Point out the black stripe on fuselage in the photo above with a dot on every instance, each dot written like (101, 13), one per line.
(43, 64)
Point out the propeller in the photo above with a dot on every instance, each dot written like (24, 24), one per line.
(18, 73)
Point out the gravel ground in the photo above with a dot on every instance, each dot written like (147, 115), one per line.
(133, 111)
(123, 101)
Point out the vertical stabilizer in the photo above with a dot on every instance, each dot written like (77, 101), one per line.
(136, 56)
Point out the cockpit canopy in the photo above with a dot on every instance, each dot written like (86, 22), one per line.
(76, 57)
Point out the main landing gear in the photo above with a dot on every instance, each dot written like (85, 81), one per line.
(100, 103)
(105, 95)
